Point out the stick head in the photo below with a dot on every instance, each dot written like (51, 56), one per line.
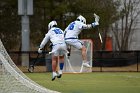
(96, 18)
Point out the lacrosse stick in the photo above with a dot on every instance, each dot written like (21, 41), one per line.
(97, 20)
(31, 67)
(96, 17)
(100, 37)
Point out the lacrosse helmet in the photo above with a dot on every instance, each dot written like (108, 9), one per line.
(81, 18)
(52, 24)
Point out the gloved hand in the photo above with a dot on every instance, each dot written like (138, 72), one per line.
(94, 24)
(40, 50)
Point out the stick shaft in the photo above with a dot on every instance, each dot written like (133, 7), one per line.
(100, 37)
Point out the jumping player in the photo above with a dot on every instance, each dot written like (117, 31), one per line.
(56, 36)
(72, 32)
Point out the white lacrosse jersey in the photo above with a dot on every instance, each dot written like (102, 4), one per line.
(55, 35)
(72, 32)
(74, 29)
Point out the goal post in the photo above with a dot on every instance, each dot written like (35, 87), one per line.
(73, 64)
(13, 80)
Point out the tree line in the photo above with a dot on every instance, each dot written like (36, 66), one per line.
(63, 11)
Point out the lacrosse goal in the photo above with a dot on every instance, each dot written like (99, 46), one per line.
(13, 80)
(73, 64)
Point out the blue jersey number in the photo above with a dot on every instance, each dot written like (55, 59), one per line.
(57, 31)
(71, 26)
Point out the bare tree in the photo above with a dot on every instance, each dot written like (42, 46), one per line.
(123, 29)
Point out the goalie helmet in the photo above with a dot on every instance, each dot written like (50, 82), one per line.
(82, 19)
(52, 24)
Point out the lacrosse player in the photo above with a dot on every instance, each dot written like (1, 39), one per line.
(56, 36)
(72, 32)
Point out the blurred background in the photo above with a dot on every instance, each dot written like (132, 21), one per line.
(119, 28)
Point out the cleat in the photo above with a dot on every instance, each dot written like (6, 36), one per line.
(86, 64)
(59, 74)
(54, 76)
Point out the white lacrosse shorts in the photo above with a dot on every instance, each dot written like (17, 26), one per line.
(59, 49)
(75, 43)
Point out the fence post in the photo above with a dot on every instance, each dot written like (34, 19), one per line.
(137, 53)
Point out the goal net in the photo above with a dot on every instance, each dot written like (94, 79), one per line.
(73, 63)
(13, 80)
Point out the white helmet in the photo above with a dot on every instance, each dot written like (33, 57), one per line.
(52, 24)
(81, 18)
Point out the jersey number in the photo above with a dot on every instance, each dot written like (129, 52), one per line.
(57, 31)
(71, 26)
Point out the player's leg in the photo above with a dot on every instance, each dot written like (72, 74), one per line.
(62, 52)
(84, 56)
(79, 45)
(61, 65)
(69, 50)
(54, 61)
(83, 50)
(54, 67)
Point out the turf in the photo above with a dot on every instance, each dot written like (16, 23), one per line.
(96, 82)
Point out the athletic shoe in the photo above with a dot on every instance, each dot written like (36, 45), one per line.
(86, 64)
(54, 75)
(59, 74)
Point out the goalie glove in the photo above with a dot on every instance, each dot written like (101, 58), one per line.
(40, 50)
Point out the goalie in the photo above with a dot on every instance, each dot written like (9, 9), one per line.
(72, 32)
(59, 48)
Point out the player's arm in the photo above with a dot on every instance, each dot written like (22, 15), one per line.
(44, 41)
(96, 23)
(88, 26)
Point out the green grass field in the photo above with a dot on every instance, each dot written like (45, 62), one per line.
(96, 82)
